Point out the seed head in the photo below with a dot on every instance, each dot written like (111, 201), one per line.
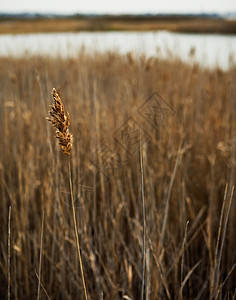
(61, 122)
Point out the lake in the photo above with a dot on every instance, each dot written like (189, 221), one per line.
(209, 50)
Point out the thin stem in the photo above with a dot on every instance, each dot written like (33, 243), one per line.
(9, 257)
(168, 199)
(143, 207)
(223, 240)
(42, 285)
(76, 230)
(214, 275)
(41, 250)
(182, 261)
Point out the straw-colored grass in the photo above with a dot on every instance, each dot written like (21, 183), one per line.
(188, 161)
(61, 122)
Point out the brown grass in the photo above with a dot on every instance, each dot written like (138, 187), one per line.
(101, 92)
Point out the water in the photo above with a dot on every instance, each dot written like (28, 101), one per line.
(207, 49)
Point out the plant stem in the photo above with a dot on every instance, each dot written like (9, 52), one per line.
(143, 207)
(9, 256)
(76, 230)
(41, 250)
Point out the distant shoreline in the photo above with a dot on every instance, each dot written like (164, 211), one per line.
(184, 24)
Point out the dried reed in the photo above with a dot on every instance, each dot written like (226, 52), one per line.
(204, 102)
(61, 122)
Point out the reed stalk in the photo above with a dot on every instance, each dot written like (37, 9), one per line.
(61, 122)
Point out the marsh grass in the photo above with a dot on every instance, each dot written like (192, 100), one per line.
(100, 93)
(61, 122)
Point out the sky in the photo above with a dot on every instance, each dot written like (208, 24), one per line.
(119, 7)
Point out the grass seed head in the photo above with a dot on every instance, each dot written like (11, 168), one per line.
(61, 122)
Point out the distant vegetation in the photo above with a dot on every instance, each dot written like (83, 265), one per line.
(25, 23)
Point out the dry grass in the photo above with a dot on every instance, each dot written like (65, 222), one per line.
(182, 261)
(61, 122)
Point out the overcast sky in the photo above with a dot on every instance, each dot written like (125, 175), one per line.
(120, 6)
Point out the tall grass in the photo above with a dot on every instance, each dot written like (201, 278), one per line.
(190, 225)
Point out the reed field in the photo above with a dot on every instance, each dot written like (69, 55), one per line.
(185, 137)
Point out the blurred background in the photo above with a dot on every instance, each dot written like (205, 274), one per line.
(165, 69)
(202, 31)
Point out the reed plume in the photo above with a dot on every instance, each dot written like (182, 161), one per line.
(61, 122)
